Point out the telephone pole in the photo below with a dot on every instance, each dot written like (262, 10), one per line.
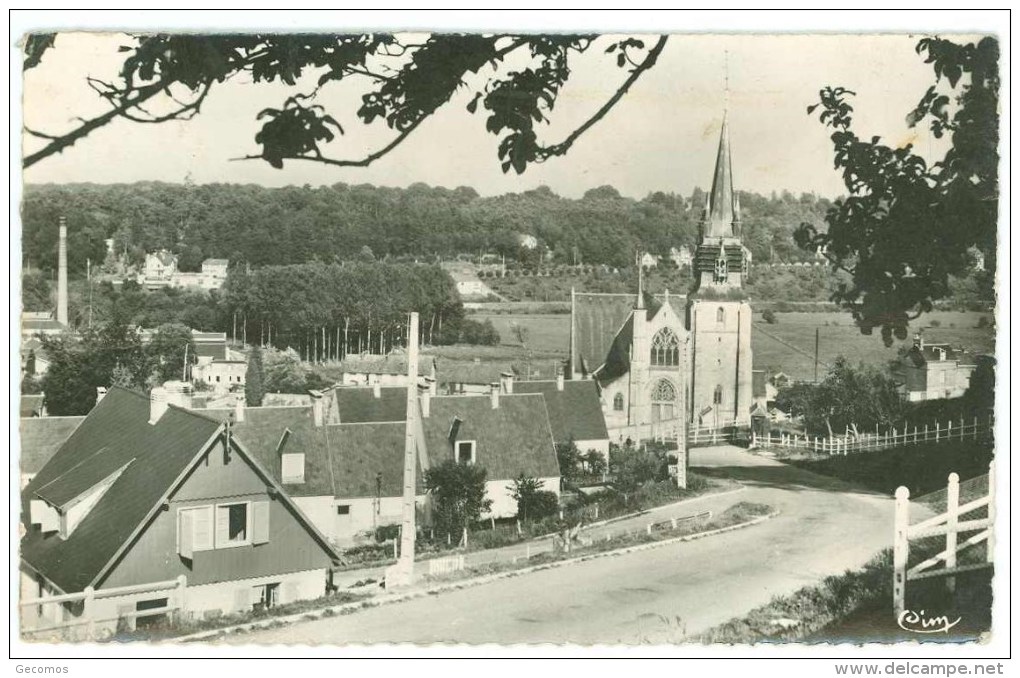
(402, 574)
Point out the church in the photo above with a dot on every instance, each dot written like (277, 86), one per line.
(660, 360)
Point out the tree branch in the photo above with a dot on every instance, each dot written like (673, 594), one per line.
(649, 61)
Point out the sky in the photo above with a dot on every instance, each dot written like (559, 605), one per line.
(662, 136)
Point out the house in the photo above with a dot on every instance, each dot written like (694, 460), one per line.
(160, 265)
(388, 370)
(216, 365)
(41, 437)
(575, 412)
(215, 270)
(466, 280)
(934, 371)
(649, 260)
(508, 434)
(346, 477)
(146, 491)
(469, 376)
(681, 257)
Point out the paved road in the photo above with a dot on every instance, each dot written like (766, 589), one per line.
(650, 596)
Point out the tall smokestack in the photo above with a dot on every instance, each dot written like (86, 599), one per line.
(62, 274)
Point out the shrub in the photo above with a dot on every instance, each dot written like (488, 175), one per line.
(387, 532)
(769, 316)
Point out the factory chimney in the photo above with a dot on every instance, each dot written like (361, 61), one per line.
(62, 274)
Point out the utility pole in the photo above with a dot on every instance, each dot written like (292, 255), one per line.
(816, 354)
(681, 434)
(402, 574)
(184, 371)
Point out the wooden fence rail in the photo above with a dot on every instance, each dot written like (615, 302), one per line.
(864, 442)
(66, 620)
(946, 524)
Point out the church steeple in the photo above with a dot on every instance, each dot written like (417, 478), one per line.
(722, 213)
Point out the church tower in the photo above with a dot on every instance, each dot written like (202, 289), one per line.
(719, 315)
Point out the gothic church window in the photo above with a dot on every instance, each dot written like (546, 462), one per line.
(665, 348)
(664, 401)
(618, 402)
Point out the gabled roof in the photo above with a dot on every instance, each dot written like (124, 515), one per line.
(115, 434)
(930, 353)
(41, 437)
(470, 372)
(575, 413)
(391, 363)
(514, 438)
(358, 404)
(361, 453)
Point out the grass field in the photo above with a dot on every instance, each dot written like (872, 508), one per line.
(550, 334)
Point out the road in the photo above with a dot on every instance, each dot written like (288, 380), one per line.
(654, 596)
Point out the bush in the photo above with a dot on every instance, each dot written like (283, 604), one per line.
(769, 316)
(387, 533)
(935, 323)
(543, 504)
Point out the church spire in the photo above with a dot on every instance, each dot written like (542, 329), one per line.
(723, 212)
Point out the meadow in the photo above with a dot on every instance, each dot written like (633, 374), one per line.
(786, 346)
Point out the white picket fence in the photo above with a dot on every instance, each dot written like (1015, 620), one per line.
(949, 524)
(867, 441)
(83, 626)
(440, 566)
(666, 430)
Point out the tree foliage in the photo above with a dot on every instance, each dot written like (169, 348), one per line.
(907, 226)
(863, 397)
(458, 492)
(516, 80)
(254, 388)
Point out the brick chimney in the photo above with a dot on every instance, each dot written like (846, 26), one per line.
(157, 404)
(425, 397)
(100, 393)
(318, 407)
(506, 382)
(494, 394)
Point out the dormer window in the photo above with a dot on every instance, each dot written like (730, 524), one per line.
(464, 451)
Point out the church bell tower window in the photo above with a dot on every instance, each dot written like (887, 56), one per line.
(721, 270)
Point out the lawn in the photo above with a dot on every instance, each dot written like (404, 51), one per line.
(550, 334)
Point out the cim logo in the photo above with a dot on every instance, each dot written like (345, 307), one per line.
(918, 622)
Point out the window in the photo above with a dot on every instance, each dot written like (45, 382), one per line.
(618, 402)
(721, 270)
(720, 315)
(664, 401)
(465, 452)
(194, 530)
(265, 596)
(665, 348)
(232, 525)
(343, 509)
(217, 378)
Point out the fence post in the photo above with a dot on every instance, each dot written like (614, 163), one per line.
(915, 435)
(182, 596)
(901, 549)
(952, 516)
(949, 430)
(975, 428)
(936, 431)
(648, 529)
(926, 433)
(673, 522)
(89, 612)
(465, 538)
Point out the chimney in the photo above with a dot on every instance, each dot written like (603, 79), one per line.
(494, 394)
(377, 390)
(559, 377)
(431, 384)
(425, 397)
(157, 404)
(100, 393)
(506, 382)
(62, 274)
(178, 393)
(918, 341)
(317, 407)
(239, 408)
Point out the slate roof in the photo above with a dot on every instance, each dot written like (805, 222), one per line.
(392, 363)
(575, 413)
(361, 451)
(115, 435)
(358, 404)
(601, 325)
(512, 439)
(216, 351)
(41, 437)
(919, 356)
(758, 381)
(470, 372)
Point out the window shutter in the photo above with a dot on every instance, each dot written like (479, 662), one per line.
(186, 534)
(260, 522)
(222, 526)
(202, 531)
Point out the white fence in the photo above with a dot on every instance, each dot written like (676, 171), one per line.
(953, 524)
(440, 566)
(83, 626)
(867, 441)
(667, 429)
